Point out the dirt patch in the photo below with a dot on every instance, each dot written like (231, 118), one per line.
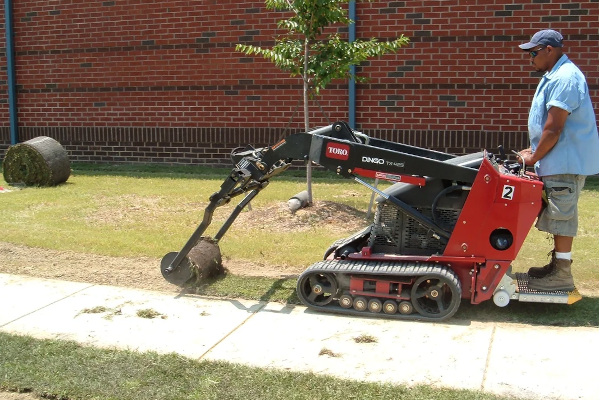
(140, 273)
(144, 272)
(17, 396)
(113, 211)
(322, 213)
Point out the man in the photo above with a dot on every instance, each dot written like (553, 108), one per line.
(564, 150)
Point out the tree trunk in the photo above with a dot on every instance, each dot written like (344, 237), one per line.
(306, 122)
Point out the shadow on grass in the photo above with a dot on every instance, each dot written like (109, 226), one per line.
(186, 171)
(583, 313)
(279, 286)
(150, 171)
(591, 183)
(282, 290)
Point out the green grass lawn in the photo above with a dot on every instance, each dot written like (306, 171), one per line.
(137, 213)
(148, 211)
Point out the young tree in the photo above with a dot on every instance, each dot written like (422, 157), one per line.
(319, 57)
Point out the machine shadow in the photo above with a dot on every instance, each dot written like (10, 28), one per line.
(280, 285)
(583, 313)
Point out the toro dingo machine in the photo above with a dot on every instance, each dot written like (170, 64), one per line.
(447, 230)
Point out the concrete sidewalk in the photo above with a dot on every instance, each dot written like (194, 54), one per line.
(534, 362)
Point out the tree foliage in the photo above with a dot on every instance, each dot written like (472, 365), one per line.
(312, 48)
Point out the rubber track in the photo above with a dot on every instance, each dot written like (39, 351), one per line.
(381, 269)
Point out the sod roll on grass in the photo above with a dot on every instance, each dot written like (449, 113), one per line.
(40, 161)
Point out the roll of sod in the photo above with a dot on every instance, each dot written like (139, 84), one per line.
(206, 260)
(40, 161)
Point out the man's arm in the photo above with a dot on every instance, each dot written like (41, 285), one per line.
(550, 135)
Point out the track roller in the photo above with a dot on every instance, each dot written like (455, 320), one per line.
(405, 307)
(346, 301)
(390, 307)
(360, 303)
(374, 305)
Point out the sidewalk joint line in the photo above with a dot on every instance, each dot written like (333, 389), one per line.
(46, 306)
(233, 330)
(487, 359)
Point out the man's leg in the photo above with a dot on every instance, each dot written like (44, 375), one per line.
(560, 276)
(560, 218)
(563, 244)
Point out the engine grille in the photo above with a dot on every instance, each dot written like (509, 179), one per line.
(394, 232)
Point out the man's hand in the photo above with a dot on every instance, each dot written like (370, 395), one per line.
(528, 157)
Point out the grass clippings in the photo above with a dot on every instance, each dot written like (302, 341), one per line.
(110, 312)
(94, 310)
(149, 313)
(326, 352)
(364, 338)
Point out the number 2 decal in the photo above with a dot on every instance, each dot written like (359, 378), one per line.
(508, 192)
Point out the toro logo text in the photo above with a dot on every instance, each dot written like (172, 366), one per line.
(337, 151)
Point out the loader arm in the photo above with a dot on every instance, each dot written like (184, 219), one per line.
(348, 153)
(337, 148)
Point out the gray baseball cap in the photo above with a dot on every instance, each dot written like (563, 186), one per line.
(547, 37)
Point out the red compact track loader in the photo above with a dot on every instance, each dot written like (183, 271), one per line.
(447, 230)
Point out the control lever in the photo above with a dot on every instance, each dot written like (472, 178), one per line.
(522, 159)
(502, 152)
(514, 168)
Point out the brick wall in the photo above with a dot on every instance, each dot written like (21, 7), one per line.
(160, 81)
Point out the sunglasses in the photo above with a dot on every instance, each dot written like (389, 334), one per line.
(534, 53)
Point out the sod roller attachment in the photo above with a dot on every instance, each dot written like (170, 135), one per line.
(201, 263)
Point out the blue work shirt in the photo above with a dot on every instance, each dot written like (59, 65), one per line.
(577, 149)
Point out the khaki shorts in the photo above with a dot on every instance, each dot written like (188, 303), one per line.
(559, 216)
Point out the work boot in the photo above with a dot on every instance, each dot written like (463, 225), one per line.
(559, 279)
(540, 272)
